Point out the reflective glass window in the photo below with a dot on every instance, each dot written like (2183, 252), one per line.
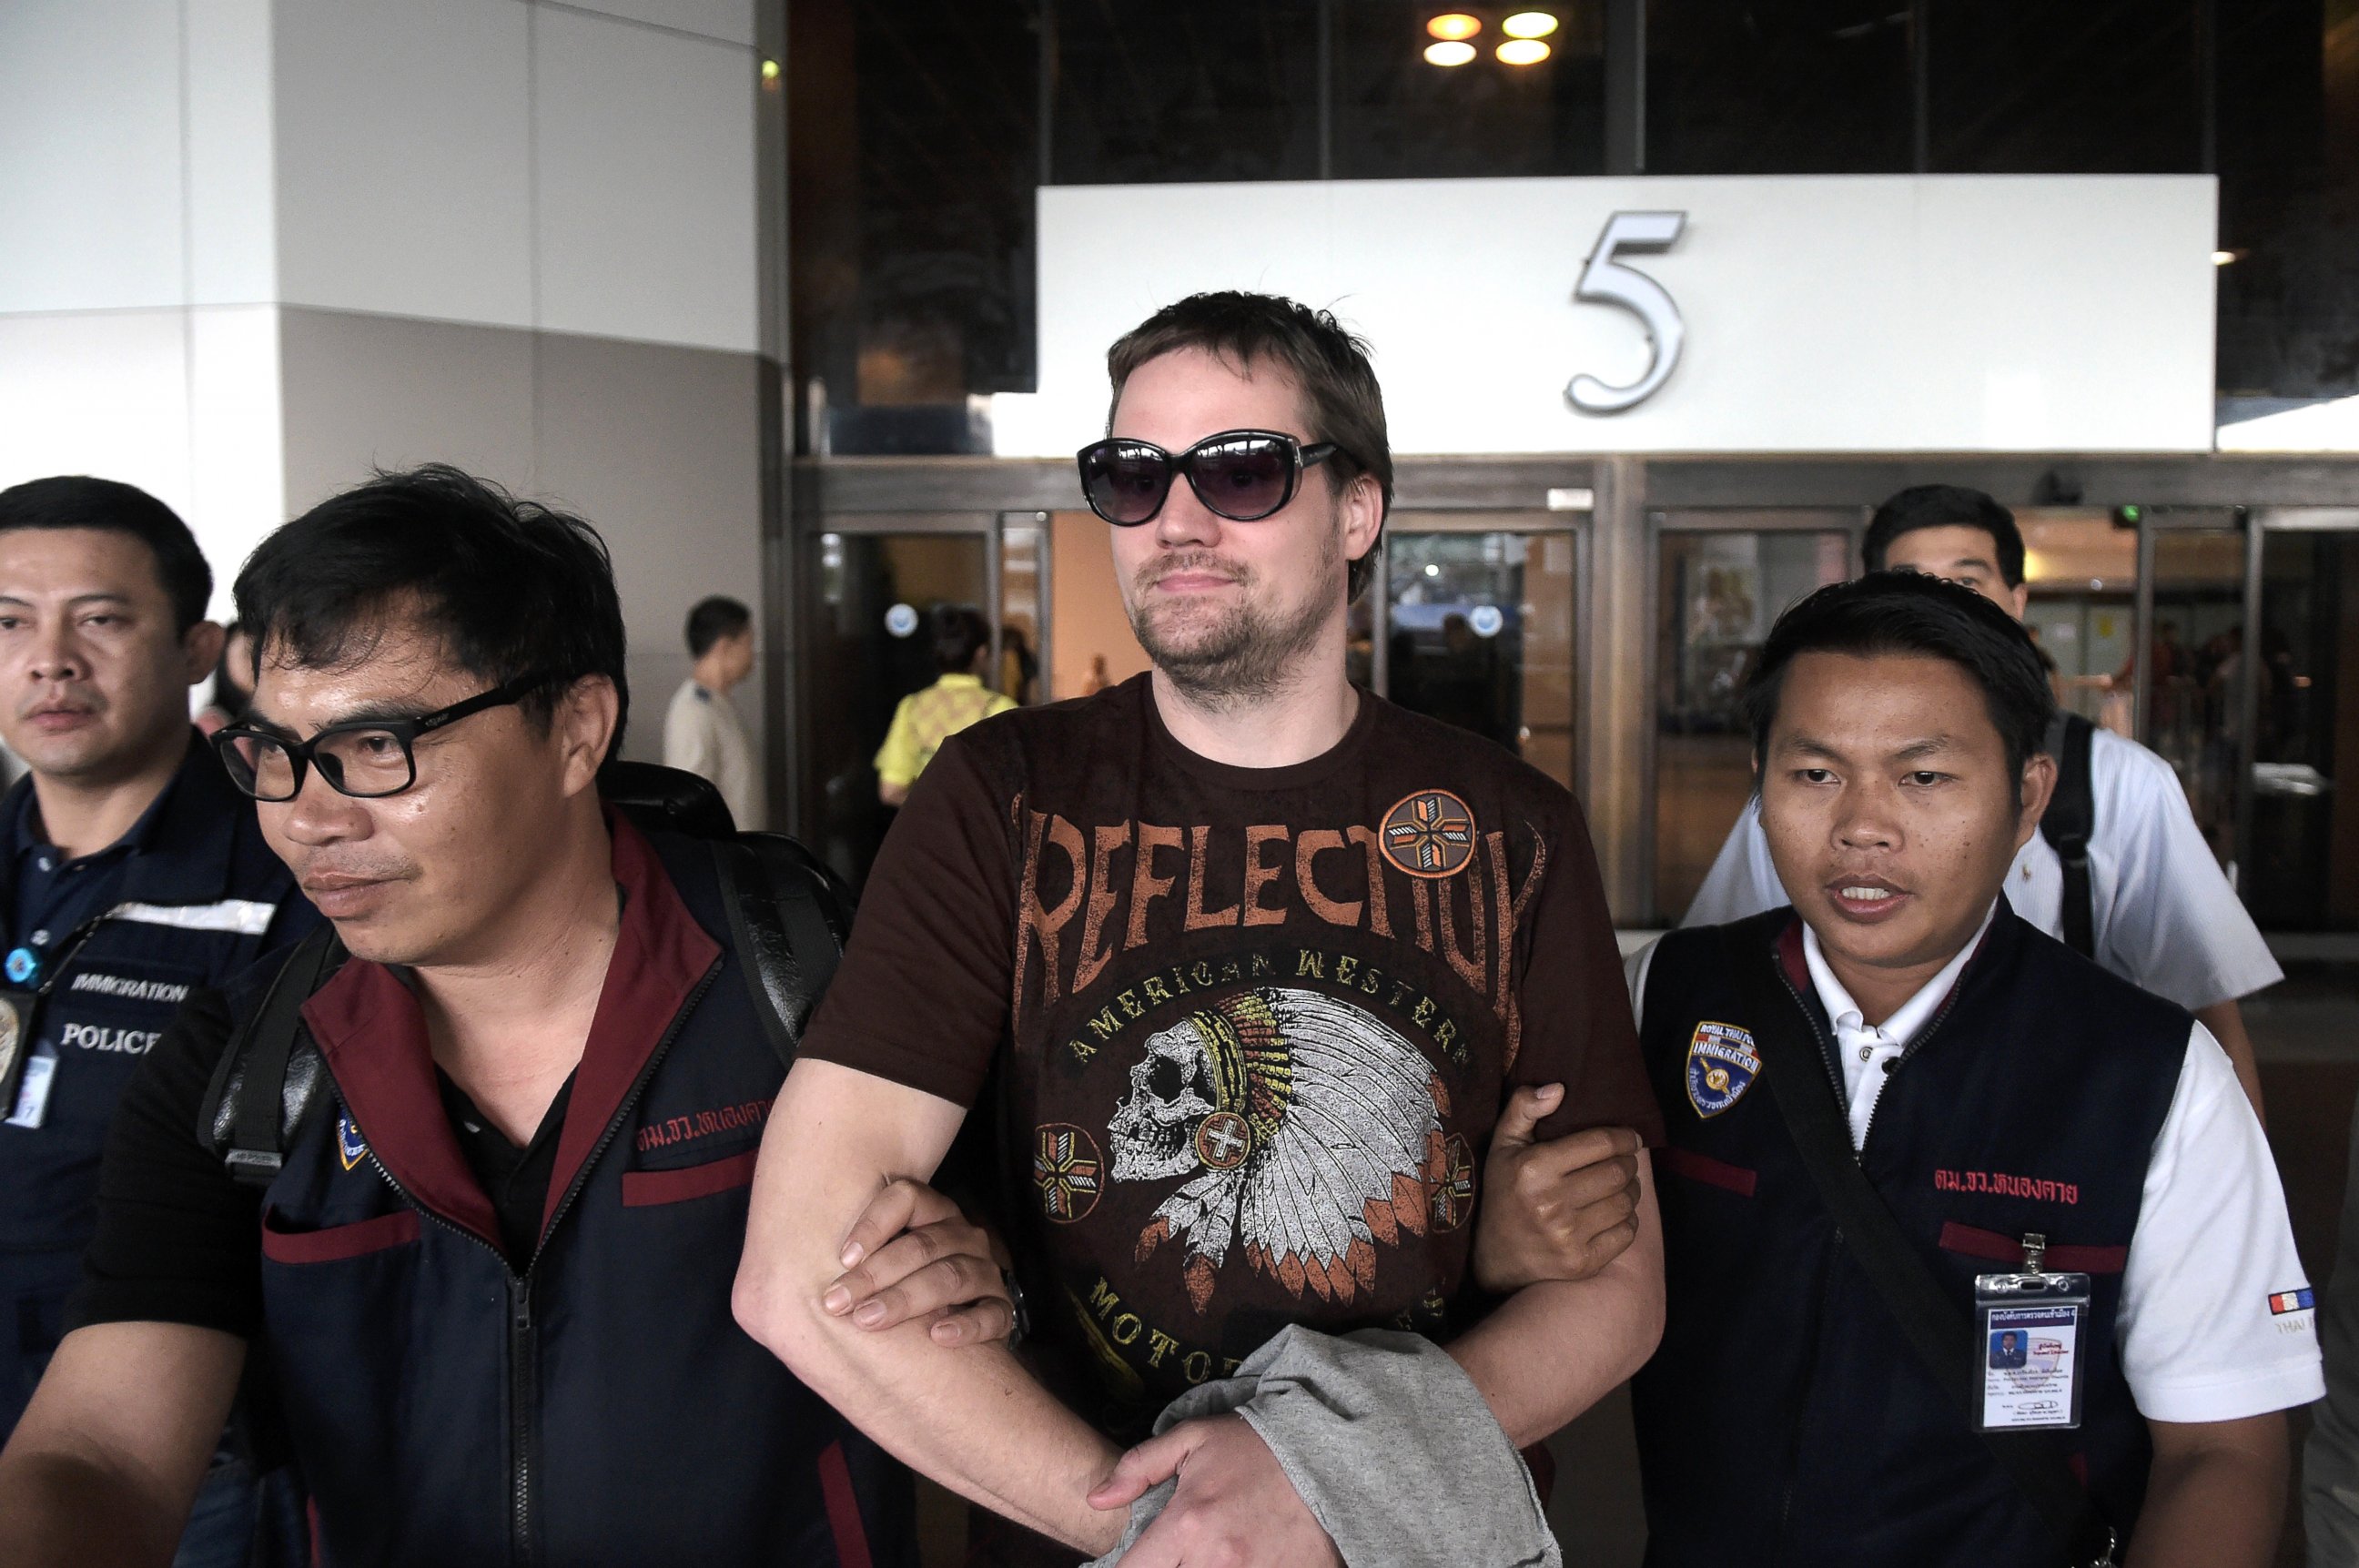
(1143, 92)
(1480, 634)
(1778, 87)
(2033, 87)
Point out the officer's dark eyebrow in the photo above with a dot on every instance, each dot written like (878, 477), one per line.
(79, 601)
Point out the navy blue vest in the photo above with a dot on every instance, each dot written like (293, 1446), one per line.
(1785, 1419)
(602, 1406)
(198, 898)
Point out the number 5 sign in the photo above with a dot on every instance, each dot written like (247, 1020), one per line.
(1608, 282)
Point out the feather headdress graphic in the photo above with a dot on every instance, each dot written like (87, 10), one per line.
(1308, 1131)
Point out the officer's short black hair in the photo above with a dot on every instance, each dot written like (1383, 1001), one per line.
(960, 633)
(1945, 506)
(713, 618)
(512, 587)
(77, 501)
(1912, 613)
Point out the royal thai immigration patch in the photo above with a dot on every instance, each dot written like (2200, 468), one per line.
(1722, 1064)
(1429, 834)
(351, 1148)
(2286, 1301)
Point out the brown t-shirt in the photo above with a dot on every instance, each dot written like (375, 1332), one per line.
(1247, 1030)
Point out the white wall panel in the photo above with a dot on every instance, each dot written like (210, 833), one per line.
(232, 223)
(368, 392)
(1855, 314)
(89, 154)
(730, 21)
(660, 447)
(183, 403)
(644, 149)
(237, 486)
(404, 175)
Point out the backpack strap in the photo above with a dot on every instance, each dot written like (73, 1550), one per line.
(264, 1084)
(2068, 824)
(789, 917)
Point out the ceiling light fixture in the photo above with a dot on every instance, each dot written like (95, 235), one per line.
(1449, 53)
(1528, 25)
(1522, 51)
(1452, 27)
(2222, 257)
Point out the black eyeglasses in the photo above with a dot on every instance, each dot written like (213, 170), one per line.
(368, 758)
(1243, 476)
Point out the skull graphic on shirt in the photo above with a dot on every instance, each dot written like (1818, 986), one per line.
(1307, 1132)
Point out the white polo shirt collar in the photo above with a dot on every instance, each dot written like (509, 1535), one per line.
(1865, 1052)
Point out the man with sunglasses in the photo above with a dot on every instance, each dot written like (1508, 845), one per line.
(132, 873)
(1258, 983)
(488, 1272)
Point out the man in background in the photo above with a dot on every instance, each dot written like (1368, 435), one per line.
(700, 729)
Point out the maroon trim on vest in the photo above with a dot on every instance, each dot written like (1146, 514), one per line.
(1789, 957)
(1704, 1167)
(373, 1034)
(337, 1242)
(1972, 1241)
(842, 1509)
(645, 1189)
(660, 955)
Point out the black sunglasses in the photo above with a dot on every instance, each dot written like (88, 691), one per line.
(368, 758)
(1243, 476)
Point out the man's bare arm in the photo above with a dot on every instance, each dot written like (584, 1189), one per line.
(104, 1466)
(1555, 1348)
(2216, 1496)
(2226, 1022)
(969, 1417)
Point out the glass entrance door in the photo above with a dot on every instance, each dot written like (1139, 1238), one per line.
(2302, 854)
(1720, 580)
(1473, 622)
(2185, 680)
(872, 588)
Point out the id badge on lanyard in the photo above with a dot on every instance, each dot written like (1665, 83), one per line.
(25, 1073)
(2029, 1344)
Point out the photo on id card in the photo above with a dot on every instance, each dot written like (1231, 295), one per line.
(2027, 1348)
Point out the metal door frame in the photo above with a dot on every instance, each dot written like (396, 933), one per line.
(1849, 520)
(1528, 521)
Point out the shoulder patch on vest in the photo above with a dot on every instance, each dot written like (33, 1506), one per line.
(1429, 834)
(1722, 1064)
(351, 1148)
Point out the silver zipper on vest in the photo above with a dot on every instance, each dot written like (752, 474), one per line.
(523, 1370)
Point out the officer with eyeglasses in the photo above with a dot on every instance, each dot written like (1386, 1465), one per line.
(133, 872)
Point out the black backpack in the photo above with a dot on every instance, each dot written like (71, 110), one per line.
(2068, 824)
(789, 917)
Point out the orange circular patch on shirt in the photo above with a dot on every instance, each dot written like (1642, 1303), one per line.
(1429, 834)
(1224, 1140)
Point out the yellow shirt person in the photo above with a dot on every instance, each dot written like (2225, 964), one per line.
(957, 699)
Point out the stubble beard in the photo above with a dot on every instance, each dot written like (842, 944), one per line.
(1241, 655)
